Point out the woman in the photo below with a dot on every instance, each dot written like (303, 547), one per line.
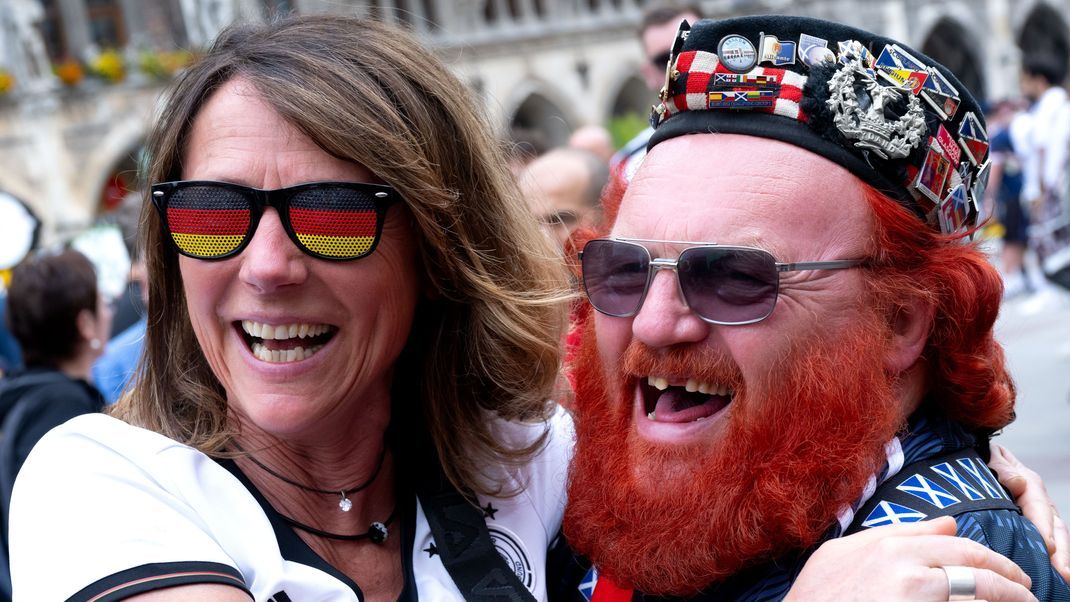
(61, 322)
(312, 348)
(334, 383)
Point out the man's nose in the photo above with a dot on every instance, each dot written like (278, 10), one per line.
(271, 260)
(665, 319)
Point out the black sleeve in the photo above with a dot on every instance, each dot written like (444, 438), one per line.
(564, 572)
(42, 411)
(1013, 536)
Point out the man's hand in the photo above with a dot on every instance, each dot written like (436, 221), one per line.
(902, 562)
(1032, 497)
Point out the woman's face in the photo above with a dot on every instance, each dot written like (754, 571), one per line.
(359, 311)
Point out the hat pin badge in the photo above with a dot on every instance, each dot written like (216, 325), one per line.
(737, 53)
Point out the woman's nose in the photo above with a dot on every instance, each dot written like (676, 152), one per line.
(271, 260)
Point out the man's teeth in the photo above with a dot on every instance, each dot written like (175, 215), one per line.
(279, 356)
(283, 331)
(692, 386)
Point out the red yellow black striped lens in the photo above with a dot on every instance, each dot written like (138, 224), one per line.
(337, 223)
(327, 220)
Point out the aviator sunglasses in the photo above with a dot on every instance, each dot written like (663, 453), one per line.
(327, 220)
(721, 284)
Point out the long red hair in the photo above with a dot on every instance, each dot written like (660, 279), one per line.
(967, 373)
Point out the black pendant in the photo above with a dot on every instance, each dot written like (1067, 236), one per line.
(377, 532)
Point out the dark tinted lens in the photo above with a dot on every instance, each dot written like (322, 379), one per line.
(728, 285)
(335, 221)
(615, 275)
(207, 221)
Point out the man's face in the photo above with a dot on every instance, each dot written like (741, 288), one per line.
(752, 192)
(796, 409)
(657, 41)
(1032, 86)
(555, 187)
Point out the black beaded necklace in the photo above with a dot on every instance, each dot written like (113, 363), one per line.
(377, 531)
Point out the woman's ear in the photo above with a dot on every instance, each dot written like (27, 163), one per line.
(911, 325)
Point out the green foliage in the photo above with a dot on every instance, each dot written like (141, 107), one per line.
(624, 127)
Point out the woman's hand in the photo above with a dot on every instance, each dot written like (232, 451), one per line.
(1032, 497)
(902, 562)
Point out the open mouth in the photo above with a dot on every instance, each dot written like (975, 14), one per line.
(282, 343)
(684, 401)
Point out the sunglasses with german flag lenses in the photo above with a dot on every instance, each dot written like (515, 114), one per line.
(328, 220)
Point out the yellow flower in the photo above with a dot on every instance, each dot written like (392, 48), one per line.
(7, 81)
(109, 65)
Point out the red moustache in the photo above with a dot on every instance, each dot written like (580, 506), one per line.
(789, 454)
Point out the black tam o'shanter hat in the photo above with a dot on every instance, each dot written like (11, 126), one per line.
(892, 116)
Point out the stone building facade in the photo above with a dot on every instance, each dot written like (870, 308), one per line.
(69, 150)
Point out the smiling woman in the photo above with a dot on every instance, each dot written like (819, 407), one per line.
(353, 332)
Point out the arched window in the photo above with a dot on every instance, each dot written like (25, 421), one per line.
(106, 26)
(538, 113)
(949, 44)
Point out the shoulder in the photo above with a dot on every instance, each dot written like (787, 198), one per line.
(544, 474)
(521, 527)
(1014, 536)
(101, 499)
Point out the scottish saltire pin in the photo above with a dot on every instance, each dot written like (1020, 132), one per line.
(900, 68)
(741, 99)
(938, 92)
(948, 144)
(852, 49)
(973, 139)
(934, 172)
(814, 50)
(954, 211)
(772, 50)
(737, 53)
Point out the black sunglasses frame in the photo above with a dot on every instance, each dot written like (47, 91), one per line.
(662, 263)
(382, 198)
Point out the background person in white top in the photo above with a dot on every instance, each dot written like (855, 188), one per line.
(1042, 137)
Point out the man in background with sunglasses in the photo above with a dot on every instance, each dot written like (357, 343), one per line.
(656, 32)
(792, 333)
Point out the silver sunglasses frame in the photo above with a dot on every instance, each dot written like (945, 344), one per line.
(665, 263)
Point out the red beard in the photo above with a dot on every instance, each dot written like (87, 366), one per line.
(791, 452)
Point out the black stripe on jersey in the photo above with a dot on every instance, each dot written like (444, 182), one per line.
(150, 577)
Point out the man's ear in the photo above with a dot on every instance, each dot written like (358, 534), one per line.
(911, 324)
(87, 325)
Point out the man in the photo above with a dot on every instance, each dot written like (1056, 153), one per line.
(1041, 137)
(656, 31)
(822, 361)
(562, 187)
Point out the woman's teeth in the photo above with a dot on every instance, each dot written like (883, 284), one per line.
(279, 356)
(283, 331)
(278, 353)
(692, 386)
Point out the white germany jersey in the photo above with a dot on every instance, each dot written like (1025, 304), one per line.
(103, 511)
